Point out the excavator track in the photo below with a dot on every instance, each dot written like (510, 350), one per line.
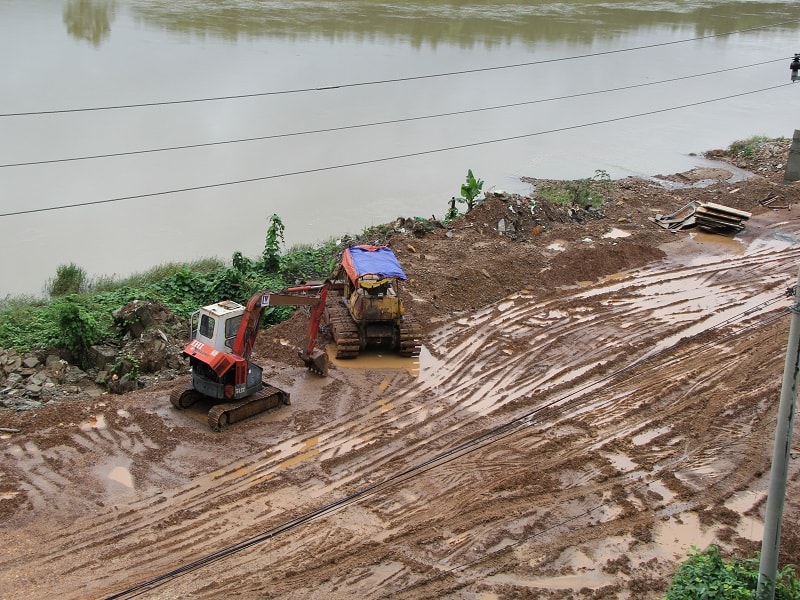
(230, 412)
(343, 329)
(184, 396)
(410, 339)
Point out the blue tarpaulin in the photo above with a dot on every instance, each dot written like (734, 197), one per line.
(371, 260)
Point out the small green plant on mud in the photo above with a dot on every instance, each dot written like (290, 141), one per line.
(748, 146)
(470, 190)
(591, 191)
(272, 245)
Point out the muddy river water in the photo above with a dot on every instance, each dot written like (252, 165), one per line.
(136, 132)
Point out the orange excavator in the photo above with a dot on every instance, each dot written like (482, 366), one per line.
(223, 336)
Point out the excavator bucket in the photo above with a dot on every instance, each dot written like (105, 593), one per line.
(317, 362)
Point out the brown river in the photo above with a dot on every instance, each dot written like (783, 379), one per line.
(138, 132)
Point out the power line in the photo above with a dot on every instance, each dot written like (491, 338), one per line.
(387, 122)
(383, 159)
(396, 79)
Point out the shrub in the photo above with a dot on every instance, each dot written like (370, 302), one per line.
(706, 575)
(79, 327)
(591, 191)
(748, 146)
(272, 245)
(69, 279)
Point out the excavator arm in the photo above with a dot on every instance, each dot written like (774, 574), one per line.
(294, 296)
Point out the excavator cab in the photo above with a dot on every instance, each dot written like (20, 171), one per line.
(216, 325)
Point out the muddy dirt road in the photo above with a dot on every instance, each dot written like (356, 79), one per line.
(573, 446)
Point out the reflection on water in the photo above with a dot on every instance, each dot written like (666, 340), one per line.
(89, 20)
(466, 23)
(379, 151)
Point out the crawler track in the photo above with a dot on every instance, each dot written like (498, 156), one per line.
(343, 329)
(410, 339)
(231, 412)
(224, 413)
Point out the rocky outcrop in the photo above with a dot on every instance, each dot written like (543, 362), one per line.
(27, 381)
(147, 352)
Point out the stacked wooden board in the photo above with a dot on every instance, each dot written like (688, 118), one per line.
(717, 218)
(708, 216)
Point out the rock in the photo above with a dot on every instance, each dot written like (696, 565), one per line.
(30, 362)
(123, 385)
(137, 316)
(103, 357)
(54, 362)
(14, 379)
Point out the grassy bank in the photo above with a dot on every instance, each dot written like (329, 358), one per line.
(78, 312)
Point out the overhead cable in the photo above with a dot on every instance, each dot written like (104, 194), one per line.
(382, 159)
(396, 79)
(387, 122)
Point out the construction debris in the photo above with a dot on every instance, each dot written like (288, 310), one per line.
(708, 216)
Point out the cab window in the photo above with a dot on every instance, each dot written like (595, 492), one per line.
(206, 327)
(231, 329)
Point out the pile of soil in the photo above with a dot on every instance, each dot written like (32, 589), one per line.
(510, 242)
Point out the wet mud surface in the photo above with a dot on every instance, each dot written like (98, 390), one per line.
(582, 414)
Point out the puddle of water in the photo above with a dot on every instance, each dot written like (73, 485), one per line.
(676, 538)
(95, 422)
(751, 528)
(375, 360)
(557, 247)
(590, 579)
(724, 242)
(615, 233)
(621, 462)
(648, 436)
(311, 450)
(8, 495)
(124, 413)
(662, 490)
(617, 277)
(121, 475)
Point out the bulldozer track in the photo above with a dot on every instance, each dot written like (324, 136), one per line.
(410, 339)
(231, 412)
(343, 329)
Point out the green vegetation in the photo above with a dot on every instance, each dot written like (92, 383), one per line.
(79, 311)
(705, 575)
(272, 245)
(470, 190)
(749, 146)
(585, 193)
(69, 279)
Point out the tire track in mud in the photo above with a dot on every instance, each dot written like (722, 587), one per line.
(510, 358)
